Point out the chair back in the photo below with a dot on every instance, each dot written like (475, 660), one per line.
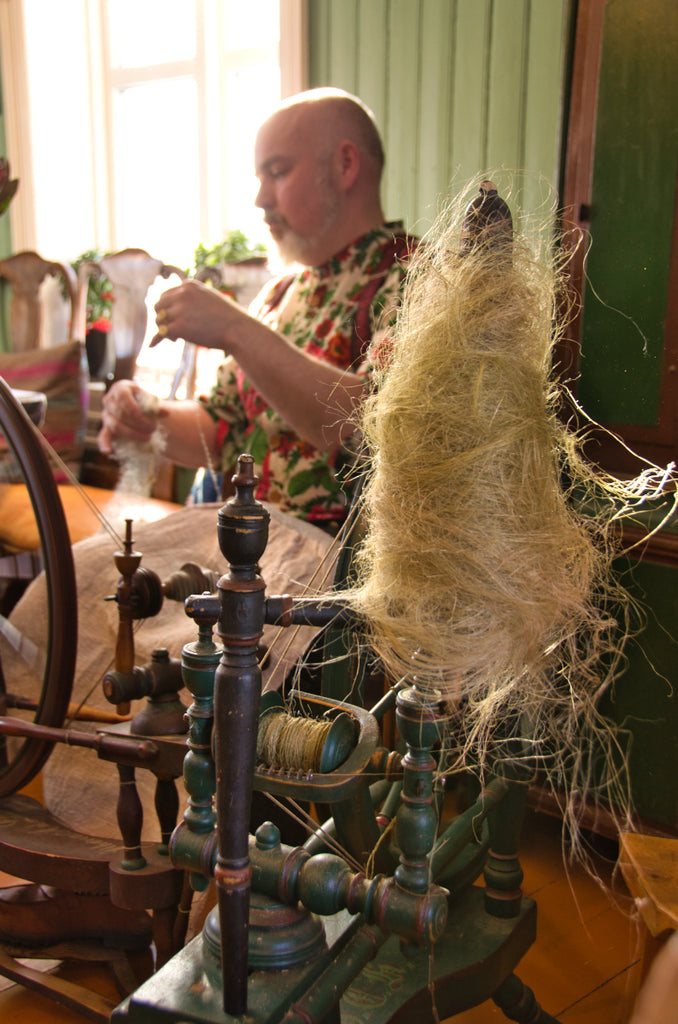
(131, 273)
(25, 272)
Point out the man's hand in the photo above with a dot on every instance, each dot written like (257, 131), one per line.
(123, 417)
(199, 314)
(190, 433)
(316, 398)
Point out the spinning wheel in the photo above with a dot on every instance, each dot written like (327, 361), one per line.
(402, 901)
(313, 933)
(263, 953)
(21, 761)
(290, 969)
(108, 918)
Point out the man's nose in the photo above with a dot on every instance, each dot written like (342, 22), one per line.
(263, 198)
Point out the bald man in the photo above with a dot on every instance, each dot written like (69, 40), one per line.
(297, 362)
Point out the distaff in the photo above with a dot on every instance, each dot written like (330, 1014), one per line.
(501, 580)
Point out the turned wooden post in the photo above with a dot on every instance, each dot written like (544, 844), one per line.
(243, 534)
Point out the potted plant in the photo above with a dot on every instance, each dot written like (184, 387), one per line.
(235, 248)
(99, 302)
(236, 266)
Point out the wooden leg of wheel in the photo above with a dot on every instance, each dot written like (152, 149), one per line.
(518, 1002)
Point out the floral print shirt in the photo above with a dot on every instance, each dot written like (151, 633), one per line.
(339, 312)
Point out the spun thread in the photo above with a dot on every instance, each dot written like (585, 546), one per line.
(292, 743)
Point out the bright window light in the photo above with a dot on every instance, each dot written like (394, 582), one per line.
(157, 191)
(145, 32)
(167, 96)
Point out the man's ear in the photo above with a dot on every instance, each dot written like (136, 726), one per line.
(347, 164)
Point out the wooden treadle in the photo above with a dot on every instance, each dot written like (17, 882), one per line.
(35, 846)
(90, 1004)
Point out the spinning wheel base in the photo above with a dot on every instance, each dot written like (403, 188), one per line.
(470, 962)
(180, 991)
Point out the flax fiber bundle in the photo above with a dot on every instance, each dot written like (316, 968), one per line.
(138, 461)
(479, 574)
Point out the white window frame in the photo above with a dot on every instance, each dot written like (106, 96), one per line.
(93, 116)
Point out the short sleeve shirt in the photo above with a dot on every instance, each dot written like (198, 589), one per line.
(341, 313)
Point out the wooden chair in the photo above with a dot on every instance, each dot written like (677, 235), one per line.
(25, 272)
(649, 866)
(131, 273)
(60, 373)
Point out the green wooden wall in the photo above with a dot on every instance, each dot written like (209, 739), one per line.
(459, 87)
(643, 701)
(466, 86)
(632, 214)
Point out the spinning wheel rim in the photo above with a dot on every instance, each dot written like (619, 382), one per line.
(60, 590)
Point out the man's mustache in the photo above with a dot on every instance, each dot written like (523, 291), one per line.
(271, 218)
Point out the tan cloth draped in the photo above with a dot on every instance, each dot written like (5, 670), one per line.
(79, 789)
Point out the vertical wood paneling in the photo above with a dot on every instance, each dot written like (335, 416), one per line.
(469, 112)
(402, 109)
(549, 26)
(372, 84)
(435, 107)
(459, 88)
(506, 93)
(343, 44)
(319, 43)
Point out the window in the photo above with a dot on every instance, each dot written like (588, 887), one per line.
(138, 127)
(132, 122)
(188, 82)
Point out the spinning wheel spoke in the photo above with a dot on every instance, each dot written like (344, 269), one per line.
(38, 678)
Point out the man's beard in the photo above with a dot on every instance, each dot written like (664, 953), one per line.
(295, 248)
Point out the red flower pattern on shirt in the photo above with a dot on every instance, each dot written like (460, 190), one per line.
(340, 312)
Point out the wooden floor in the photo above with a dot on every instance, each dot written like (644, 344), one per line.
(584, 966)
